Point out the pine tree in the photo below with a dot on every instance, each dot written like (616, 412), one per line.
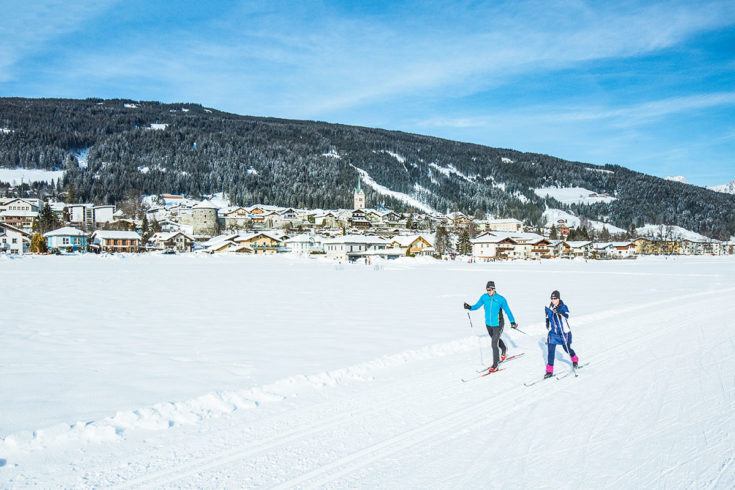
(464, 246)
(144, 229)
(441, 241)
(553, 233)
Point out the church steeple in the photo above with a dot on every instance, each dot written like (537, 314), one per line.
(359, 196)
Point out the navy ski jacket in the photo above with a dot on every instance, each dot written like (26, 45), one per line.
(555, 324)
(493, 304)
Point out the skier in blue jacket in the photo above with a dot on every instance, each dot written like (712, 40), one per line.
(558, 335)
(494, 305)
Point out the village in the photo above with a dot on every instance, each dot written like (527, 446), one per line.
(171, 224)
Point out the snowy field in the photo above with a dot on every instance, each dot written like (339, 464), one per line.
(228, 372)
(17, 176)
(572, 195)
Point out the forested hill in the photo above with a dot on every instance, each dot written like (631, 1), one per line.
(310, 164)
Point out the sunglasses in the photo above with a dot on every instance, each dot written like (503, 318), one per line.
(491, 289)
(554, 297)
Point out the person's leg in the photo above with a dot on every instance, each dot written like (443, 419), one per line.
(550, 358)
(568, 349)
(503, 348)
(495, 341)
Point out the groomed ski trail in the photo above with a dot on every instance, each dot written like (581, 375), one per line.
(418, 420)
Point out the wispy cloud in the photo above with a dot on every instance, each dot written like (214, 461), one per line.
(626, 116)
(313, 60)
(28, 27)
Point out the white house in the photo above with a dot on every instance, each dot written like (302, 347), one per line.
(103, 214)
(491, 246)
(14, 240)
(305, 244)
(353, 247)
(623, 250)
(172, 240)
(576, 248)
(506, 224)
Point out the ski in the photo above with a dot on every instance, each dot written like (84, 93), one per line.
(501, 362)
(536, 381)
(573, 370)
(464, 380)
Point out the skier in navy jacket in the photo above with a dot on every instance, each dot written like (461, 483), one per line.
(558, 335)
(494, 305)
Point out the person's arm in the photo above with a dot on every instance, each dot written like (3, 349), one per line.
(476, 305)
(562, 310)
(504, 305)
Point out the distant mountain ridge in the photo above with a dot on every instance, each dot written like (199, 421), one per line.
(111, 149)
(726, 188)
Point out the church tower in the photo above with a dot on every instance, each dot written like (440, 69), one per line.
(359, 196)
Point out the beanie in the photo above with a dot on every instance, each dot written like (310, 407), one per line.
(490, 284)
(555, 295)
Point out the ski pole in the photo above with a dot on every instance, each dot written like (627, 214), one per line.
(519, 330)
(479, 342)
(561, 327)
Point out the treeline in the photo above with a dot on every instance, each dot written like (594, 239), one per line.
(313, 165)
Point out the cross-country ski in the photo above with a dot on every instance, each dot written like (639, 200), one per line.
(572, 370)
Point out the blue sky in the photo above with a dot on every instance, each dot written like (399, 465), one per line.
(650, 86)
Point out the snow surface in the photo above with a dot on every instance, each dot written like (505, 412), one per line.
(411, 201)
(601, 170)
(553, 215)
(82, 155)
(347, 376)
(400, 158)
(17, 176)
(449, 170)
(678, 178)
(571, 195)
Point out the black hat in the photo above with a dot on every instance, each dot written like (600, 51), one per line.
(490, 284)
(555, 295)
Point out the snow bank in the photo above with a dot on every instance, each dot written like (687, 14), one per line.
(162, 416)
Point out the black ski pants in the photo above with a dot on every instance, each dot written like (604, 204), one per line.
(496, 341)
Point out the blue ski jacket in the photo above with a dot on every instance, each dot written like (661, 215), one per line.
(555, 324)
(493, 304)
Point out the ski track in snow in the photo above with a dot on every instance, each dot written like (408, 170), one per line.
(655, 408)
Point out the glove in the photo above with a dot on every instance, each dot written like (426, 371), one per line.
(466, 306)
(513, 325)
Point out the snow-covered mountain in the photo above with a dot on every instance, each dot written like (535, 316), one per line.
(153, 148)
(727, 188)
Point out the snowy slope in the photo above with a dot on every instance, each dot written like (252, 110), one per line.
(17, 176)
(670, 232)
(553, 215)
(410, 200)
(572, 195)
(347, 376)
